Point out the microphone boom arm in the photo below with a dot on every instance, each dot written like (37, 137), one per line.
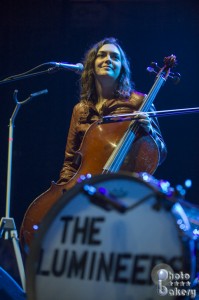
(78, 68)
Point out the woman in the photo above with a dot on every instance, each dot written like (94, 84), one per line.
(106, 89)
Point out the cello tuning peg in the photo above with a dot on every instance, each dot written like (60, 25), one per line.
(176, 78)
(154, 64)
(153, 67)
(150, 70)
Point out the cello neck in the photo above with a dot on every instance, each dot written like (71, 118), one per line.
(149, 99)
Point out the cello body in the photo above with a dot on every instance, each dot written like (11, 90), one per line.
(98, 144)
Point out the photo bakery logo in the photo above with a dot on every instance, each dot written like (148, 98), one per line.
(170, 283)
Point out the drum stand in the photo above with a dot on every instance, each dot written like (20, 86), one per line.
(7, 224)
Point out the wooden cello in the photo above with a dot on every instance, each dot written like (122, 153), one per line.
(106, 148)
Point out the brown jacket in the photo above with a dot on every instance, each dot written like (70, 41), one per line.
(85, 114)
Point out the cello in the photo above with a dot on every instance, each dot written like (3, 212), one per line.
(114, 147)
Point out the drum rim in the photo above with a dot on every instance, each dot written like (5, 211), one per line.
(35, 245)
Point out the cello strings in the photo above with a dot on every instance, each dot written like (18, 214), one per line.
(118, 155)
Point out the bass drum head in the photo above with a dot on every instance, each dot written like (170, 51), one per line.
(85, 252)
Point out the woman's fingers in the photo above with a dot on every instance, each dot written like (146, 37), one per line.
(144, 121)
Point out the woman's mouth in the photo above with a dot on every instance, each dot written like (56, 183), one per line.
(107, 67)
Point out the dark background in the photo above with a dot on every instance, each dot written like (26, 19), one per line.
(34, 32)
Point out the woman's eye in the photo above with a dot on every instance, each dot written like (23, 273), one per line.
(116, 57)
(100, 55)
(113, 56)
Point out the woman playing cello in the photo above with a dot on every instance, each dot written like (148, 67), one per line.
(106, 89)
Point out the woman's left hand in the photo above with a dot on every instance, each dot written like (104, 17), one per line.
(144, 121)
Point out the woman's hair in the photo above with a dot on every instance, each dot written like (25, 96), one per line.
(124, 85)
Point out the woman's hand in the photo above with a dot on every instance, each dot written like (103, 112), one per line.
(144, 120)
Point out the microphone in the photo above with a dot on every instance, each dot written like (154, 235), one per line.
(77, 68)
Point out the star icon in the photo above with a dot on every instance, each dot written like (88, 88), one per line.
(170, 283)
(181, 283)
(176, 283)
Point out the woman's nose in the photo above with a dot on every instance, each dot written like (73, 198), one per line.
(108, 57)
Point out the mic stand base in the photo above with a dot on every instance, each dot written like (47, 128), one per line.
(8, 230)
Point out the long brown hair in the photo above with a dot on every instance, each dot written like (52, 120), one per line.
(87, 83)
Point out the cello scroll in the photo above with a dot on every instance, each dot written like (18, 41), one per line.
(169, 63)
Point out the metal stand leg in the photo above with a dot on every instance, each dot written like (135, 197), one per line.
(8, 230)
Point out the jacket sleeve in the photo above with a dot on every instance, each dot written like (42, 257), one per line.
(156, 134)
(69, 168)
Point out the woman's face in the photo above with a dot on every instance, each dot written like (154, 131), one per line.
(108, 62)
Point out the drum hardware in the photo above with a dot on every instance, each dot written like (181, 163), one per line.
(101, 197)
(163, 186)
(104, 199)
(108, 200)
(7, 224)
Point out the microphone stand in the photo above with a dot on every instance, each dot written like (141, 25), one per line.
(7, 224)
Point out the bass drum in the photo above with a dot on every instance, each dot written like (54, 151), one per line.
(103, 239)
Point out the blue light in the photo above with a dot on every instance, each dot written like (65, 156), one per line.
(91, 190)
(196, 231)
(146, 177)
(102, 190)
(188, 183)
(88, 176)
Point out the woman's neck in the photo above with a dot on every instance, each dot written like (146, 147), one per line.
(105, 91)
